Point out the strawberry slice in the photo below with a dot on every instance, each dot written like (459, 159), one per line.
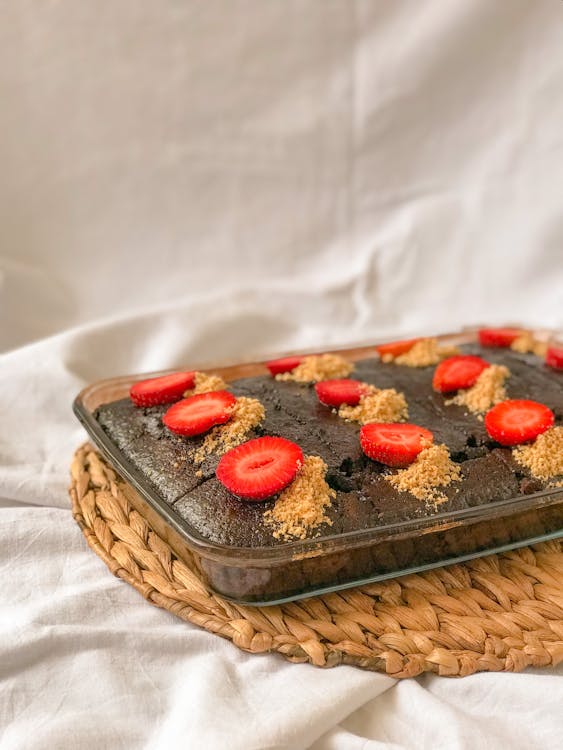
(396, 348)
(518, 421)
(285, 364)
(338, 392)
(498, 336)
(554, 357)
(163, 390)
(199, 413)
(260, 468)
(457, 372)
(392, 444)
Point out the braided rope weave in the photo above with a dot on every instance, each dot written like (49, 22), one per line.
(498, 613)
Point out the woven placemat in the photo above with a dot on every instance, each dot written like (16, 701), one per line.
(498, 613)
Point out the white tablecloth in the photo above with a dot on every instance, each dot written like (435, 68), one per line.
(190, 182)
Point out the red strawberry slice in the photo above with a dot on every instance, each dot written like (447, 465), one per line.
(338, 392)
(260, 468)
(396, 348)
(161, 390)
(457, 372)
(498, 336)
(392, 444)
(554, 357)
(199, 413)
(285, 364)
(518, 421)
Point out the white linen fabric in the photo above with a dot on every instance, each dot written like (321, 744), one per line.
(188, 183)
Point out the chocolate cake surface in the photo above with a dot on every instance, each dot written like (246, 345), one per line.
(363, 499)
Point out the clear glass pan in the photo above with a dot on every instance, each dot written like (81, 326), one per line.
(271, 575)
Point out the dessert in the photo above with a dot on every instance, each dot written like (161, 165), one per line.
(178, 448)
(360, 495)
(420, 352)
(260, 468)
(199, 413)
(394, 444)
(517, 421)
(163, 390)
(458, 372)
(554, 357)
(498, 337)
(517, 339)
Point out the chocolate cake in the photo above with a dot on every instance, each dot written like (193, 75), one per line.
(364, 499)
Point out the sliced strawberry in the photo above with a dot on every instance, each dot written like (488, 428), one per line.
(518, 421)
(394, 444)
(338, 392)
(554, 357)
(286, 364)
(498, 336)
(260, 468)
(199, 413)
(457, 372)
(396, 348)
(161, 390)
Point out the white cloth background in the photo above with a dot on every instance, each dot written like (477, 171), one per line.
(189, 182)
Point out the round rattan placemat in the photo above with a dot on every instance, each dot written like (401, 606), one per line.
(498, 613)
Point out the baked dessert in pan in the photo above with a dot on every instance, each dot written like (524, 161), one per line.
(348, 475)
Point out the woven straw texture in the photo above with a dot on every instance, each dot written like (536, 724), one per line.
(498, 613)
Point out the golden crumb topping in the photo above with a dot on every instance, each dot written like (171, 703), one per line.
(247, 414)
(386, 405)
(204, 382)
(488, 390)
(526, 343)
(544, 457)
(318, 367)
(300, 508)
(423, 353)
(431, 470)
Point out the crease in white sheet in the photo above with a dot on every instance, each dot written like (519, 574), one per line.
(476, 716)
(111, 660)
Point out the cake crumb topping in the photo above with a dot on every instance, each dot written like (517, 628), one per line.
(544, 457)
(204, 383)
(432, 469)
(386, 405)
(423, 353)
(300, 508)
(318, 367)
(488, 390)
(526, 343)
(247, 414)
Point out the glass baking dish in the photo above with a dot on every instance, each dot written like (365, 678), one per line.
(293, 570)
